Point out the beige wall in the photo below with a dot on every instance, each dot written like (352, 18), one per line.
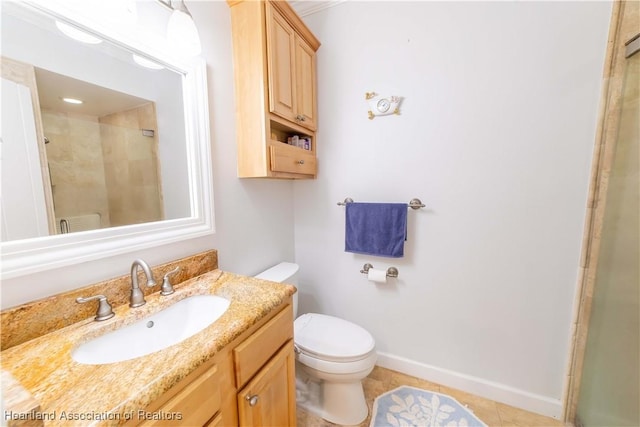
(131, 166)
(76, 164)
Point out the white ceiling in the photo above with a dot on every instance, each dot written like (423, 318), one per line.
(97, 101)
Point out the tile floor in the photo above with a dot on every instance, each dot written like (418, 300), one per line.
(492, 413)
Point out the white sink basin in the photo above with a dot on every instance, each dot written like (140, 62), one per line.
(158, 331)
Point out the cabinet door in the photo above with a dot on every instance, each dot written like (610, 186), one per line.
(281, 51)
(194, 405)
(216, 421)
(252, 354)
(269, 398)
(305, 84)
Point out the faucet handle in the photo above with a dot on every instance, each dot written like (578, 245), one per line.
(167, 288)
(104, 308)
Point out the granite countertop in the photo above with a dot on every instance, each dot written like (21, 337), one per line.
(71, 393)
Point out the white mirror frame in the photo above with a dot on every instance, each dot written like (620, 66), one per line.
(23, 257)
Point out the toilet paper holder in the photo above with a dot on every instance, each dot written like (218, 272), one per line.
(391, 271)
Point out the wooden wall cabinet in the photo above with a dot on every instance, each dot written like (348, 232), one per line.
(291, 69)
(251, 382)
(275, 89)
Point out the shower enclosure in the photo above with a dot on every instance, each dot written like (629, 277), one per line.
(610, 378)
(605, 380)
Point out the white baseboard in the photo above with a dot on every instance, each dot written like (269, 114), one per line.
(480, 387)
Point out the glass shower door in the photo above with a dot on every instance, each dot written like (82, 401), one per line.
(609, 391)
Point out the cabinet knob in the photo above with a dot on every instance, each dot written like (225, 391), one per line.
(300, 162)
(253, 400)
(300, 118)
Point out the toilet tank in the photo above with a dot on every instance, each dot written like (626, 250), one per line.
(285, 272)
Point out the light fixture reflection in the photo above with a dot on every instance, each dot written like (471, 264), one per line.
(77, 34)
(144, 62)
(72, 100)
(181, 30)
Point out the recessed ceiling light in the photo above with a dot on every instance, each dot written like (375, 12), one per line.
(77, 34)
(72, 100)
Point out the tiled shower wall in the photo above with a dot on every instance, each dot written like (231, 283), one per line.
(105, 165)
(76, 164)
(131, 166)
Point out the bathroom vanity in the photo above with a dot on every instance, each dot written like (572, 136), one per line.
(250, 382)
(237, 371)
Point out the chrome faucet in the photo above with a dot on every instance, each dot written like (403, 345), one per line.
(105, 311)
(137, 297)
(167, 287)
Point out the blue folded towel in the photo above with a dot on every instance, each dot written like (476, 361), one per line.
(378, 229)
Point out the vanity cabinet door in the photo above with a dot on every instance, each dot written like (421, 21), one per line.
(269, 398)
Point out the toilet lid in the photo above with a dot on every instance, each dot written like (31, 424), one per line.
(331, 338)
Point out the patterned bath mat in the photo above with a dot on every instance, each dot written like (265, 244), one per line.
(410, 406)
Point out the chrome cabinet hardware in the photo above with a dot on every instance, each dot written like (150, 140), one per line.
(253, 400)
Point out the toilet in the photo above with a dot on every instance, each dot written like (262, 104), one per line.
(333, 356)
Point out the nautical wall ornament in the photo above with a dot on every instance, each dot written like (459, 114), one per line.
(382, 105)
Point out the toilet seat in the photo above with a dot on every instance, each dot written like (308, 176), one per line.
(332, 339)
(349, 369)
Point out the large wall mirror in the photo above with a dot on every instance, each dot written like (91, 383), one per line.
(125, 164)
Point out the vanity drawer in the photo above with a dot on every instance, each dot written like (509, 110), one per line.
(195, 404)
(285, 158)
(216, 421)
(255, 351)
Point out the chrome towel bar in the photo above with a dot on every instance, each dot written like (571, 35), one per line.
(414, 204)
